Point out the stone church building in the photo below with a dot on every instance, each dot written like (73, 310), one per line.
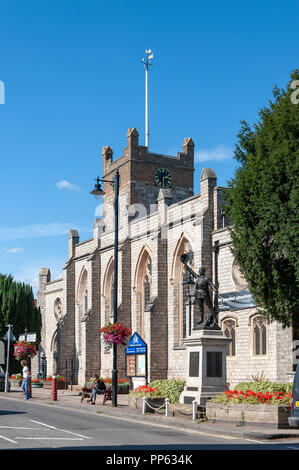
(160, 218)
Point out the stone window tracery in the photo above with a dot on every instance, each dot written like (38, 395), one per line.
(57, 308)
(146, 289)
(108, 289)
(82, 307)
(259, 332)
(180, 291)
(229, 330)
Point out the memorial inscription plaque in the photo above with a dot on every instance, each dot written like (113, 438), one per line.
(194, 364)
(214, 364)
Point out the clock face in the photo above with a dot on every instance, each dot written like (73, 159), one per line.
(163, 178)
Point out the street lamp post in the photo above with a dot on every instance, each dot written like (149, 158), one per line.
(216, 282)
(97, 192)
(9, 337)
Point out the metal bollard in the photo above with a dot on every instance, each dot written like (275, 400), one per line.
(54, 388)
(144, 405)
(30, 388)
(166, 407)
(194, 403)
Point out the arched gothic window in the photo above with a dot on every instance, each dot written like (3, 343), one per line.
(57, 308)
(146, 291)
(179, 277)
(185, 302)
(85, 301)
(229, 330)
(259, 333)
(111, 298)
(147, 281)
(143, 289)
(108, 289)
(82, 307)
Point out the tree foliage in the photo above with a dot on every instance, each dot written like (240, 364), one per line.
(261, 200)
(17, 308)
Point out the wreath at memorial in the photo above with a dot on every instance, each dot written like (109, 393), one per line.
(115, 333)
(24, 350)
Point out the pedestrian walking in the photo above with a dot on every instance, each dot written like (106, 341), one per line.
(26, 379)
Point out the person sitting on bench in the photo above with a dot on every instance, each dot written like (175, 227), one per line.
(98, 388)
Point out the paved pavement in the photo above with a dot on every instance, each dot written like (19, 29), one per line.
(71, 399)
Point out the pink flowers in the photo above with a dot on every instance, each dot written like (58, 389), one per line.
(115, 333)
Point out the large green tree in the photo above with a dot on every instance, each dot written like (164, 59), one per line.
(17, 307)
(262, 202)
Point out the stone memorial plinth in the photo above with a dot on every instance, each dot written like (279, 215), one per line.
(206, 374)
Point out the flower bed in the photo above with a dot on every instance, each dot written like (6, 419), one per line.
(171, 389)
(123, 385)
(254, 398)
(60, 382)
(16, 380)
(36, 383)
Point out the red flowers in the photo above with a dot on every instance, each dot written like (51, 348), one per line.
(59, 379)
(115, 333)
(120, 381)
(248, 396)
(145, 389)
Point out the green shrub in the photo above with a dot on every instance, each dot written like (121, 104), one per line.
(265, 387)
(171, 388)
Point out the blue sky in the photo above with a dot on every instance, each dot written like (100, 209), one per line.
(74, 82)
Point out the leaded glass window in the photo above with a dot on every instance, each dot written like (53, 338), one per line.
(229, 330)
(259, 336)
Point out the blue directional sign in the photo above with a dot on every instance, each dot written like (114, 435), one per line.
(136, 345)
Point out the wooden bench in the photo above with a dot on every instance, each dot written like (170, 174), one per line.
(87, 389)
(107, 395)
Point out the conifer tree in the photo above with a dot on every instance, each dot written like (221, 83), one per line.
(262, 202)
(17, 308)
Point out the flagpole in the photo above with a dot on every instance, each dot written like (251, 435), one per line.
(146, 105)
(148, 55)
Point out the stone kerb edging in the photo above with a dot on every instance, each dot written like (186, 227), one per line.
(265, 415)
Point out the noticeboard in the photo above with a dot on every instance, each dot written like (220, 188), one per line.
(28, 337)
(136, 357)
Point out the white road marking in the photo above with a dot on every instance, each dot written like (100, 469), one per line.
(50, 438)
(62, 430)
(295, 448)
(6, 439)
(17, 427)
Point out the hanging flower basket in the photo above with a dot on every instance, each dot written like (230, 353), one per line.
(115, 333)
(24, 350)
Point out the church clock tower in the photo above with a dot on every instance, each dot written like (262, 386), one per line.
(143, 174)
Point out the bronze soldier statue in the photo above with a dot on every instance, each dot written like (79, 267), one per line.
(202, 295)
